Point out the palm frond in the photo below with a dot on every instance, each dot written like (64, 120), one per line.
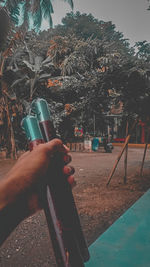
(38, 8)
(35, 4)
(70, 2)
(37, 18)
(25, 13)
(11, 4)
(47, 5)
(15, 13)
(47, 10)
(4, 25)
(14, 10)
(149, 5)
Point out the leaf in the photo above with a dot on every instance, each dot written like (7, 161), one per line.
(47, 60)
(4, 26)
(44, 76)
(47, 10)
(18, 81)
(37, 17)
(70, 2)
(30, 66)
(38, 61)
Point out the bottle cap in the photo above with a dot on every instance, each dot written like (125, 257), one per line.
(31, 127)
(40, 107)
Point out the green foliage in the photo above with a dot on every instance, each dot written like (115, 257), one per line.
(149, 6)
(4, 26)
(86, 26)
(85, 63)
(82, 25)
(34, 10)
(143, 50)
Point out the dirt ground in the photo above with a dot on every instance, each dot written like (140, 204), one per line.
(98, 206)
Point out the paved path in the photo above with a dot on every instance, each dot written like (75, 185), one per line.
(29, 245)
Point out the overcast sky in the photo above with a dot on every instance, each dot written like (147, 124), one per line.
(130, 16)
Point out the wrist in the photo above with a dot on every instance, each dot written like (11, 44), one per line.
(10, 216)
(13, 206)
(9, 192)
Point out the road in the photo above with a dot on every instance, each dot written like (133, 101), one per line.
(98, 206)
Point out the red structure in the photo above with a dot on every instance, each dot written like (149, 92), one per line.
(142, 124)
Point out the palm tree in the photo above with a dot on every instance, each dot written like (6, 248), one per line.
(6, 97)
(33, 9)
(4, 26)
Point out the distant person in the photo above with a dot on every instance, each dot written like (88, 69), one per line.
(107, 146)
(105, 142)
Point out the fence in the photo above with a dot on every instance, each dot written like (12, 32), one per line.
(81, 146)
(75, 146)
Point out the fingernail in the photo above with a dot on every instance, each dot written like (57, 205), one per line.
(71, 170)
(67, 159)
(71, 181)
(67, 148)
(68, 170)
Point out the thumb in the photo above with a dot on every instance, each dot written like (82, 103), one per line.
(55, 145)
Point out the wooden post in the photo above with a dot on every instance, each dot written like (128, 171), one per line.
(145, 149)
(94, 123)
(121, 153)
(126, 156)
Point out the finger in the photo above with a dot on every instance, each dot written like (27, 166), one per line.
(71, 181)
(55, 145)
(68, 170)
(67, 159)
(67, 148)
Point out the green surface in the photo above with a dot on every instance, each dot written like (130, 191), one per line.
(127, 242)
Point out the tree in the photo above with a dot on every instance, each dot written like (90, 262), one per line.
(7, 96)
(82, 25)
(143, 50)
(149, 6)
(4, 26)
(34, 10)
(86, 26)
(68, 66)
(31, 75)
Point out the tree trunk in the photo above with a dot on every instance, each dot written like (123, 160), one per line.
(10, 141)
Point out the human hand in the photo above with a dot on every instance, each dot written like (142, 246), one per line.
(23, 181)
